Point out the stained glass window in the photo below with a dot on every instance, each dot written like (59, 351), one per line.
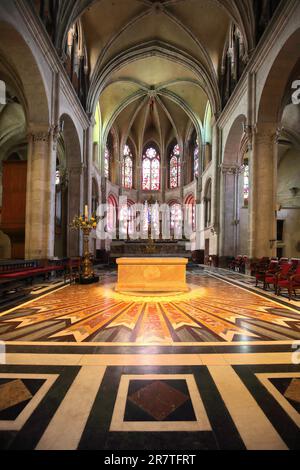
(57, 178)
(151, 170)
(191, 212)
(106, 162)
(207, 205)
(111, 216)
(175, 168)
(246, 185)
(127, 168)
(176, 220)
(196, 159)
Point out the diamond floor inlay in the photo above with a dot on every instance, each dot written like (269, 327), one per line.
(159, 399)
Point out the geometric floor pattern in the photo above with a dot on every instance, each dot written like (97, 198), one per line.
(215, 369)
(128, 401)
(213, 311)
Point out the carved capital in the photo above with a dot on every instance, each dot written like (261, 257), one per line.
(265, 137)
(40, 136)
(227, 169)
(43, 133)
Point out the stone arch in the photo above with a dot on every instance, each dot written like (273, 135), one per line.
(269, 115)
(95, 195)
(75, 180)
(16, 59)
(208, 203)
(269, 109)
(233, 141)
(233, 222)
(190, 210)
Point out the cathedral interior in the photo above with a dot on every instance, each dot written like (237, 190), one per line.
(149, 225)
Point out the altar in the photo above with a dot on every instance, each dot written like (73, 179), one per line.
(152, 275)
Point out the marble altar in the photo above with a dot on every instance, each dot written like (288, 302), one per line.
(152, 275)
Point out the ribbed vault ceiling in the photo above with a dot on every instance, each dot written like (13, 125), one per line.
(167, 54)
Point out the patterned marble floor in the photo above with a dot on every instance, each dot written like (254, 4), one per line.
(86, 368)
(213, 311)
(73, 397)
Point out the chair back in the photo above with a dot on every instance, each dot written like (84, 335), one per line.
(297, 270)
(295, 261)
(273, 265)
(285, 268)
(283, 261)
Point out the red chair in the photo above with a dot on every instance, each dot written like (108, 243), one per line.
(295, 262)
(260, 265)
(291, 283)
(235, 263)
(272, 278)
(261, 272)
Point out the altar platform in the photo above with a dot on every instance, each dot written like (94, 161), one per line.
(140, 248)
(152, 275)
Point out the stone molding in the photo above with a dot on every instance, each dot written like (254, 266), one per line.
(266, 137)
(36, 30)
(227, 169)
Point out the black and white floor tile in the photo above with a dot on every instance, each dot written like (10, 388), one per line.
(131, 398)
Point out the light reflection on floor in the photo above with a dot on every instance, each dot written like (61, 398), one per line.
(212, 311)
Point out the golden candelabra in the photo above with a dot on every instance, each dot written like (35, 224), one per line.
(86, 225)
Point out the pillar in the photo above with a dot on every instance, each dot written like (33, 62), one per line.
(263, 197)
(40, 195)
(229, 210)
(75, 207)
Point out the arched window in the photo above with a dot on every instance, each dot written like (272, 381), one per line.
(196, 158)
(190, 208)
(176, 219)
(207, 205)
(175, 167)
(246, 183)
(95, 198)
(112, 215)
(58, 195)
(106, 162)
(127, 168)
(151, 170)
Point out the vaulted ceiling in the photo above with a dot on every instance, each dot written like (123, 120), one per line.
(156, 64)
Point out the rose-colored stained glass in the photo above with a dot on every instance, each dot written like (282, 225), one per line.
(106, 162)
(127, 168)
(151, 170)
(175, 168)
(175, 215)
(196, 159)
(246, 186)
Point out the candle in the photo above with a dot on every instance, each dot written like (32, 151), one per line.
(86, 212)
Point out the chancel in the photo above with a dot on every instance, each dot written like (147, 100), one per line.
(149, 226)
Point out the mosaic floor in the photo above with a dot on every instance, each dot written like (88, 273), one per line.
(86, 368)
(213, 311)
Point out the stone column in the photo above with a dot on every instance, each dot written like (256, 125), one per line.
(228, 210)
(88, 159)
(263, 198)
(40, 195)
(216, 179)
(75, 207)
